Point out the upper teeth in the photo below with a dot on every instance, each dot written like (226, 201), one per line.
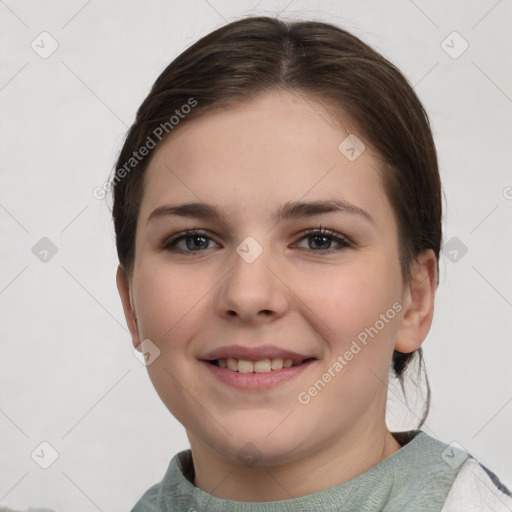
(263, 365)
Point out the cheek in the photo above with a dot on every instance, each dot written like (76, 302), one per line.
(167, 302)
(362, 310)
(360, 305)
(350, 299)
(169, 307)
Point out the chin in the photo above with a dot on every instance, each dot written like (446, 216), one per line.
(255, 444)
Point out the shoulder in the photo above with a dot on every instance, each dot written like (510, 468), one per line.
(172, 491)
(477, 489)
(149, 502)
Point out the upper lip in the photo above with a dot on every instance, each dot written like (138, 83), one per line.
(254, 353)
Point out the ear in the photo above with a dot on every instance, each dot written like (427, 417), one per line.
(123, 287)
(418, 303)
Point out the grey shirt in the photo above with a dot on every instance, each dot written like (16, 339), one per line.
(416, 478)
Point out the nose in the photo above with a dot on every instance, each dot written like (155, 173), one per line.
(253, 292)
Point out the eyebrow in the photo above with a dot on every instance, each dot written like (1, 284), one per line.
(289, 210)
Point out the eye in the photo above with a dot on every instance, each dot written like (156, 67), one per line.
(320, 240)
(192, 240)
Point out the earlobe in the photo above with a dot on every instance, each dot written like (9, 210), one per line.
(418, 302)
(123, 286)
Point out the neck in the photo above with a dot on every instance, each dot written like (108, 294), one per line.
(336, 462)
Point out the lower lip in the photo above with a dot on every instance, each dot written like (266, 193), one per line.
(256, 380)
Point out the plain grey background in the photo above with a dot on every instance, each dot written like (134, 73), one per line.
(68, 376)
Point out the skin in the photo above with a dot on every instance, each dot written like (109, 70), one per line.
(249, 160)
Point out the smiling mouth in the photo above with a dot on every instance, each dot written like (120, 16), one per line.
(261, 366)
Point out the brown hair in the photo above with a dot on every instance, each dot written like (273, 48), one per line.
(251, 56)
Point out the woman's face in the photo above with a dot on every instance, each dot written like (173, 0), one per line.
(255, 285)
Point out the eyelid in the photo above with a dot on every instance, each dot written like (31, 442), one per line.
(325, 231)
(343, 241)
(184, 234)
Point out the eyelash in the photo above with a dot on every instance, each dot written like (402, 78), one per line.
(170, 243)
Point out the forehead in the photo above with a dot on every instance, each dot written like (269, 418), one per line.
(253, 156)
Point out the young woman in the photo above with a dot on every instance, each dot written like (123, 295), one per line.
(277, 207)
